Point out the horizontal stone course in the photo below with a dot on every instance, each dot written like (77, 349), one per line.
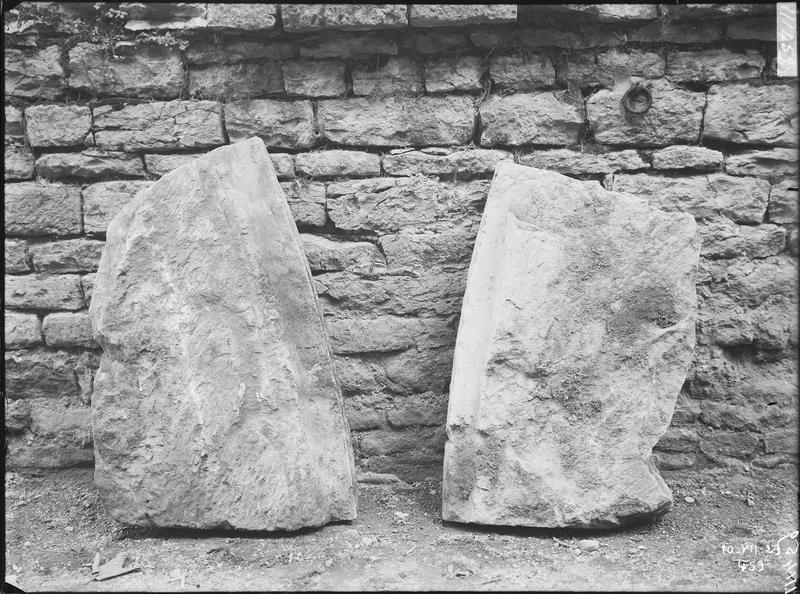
(573, 162)
(326, 255)
(231, 48)
(69, 255)
(522, 118)
(714, 65)
(522, 71)
(398, 75)
(457, 15)
(33, 209)
(338, 163)
(48, 126)
(314, 78)
(447, 74)
(241, 16)
(68, 330)
(43, 292)
(90, 164)
(349, 45)
(442, 161)
(240, 80)
(687, 157)
(772, 164)
(284, 124)
(344, 17)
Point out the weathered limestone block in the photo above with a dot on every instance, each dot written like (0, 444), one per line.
(338, 163)
(225, 49)
(22, 330)
(418, 251)
(348, 45)
(610, 68)
(748, 114)
(14, 123)
(522, 71)
(325, 255)
(675, 116)
(158, 165)
(783, 202)
(34, 209)
(774, 164)
(442, 161)
(40, 291)
(240, 80)
(704, 10)
(299, 18)
(314, 78)
(707, 31)
(242, 17)
(90, 164)
(228, 339)
(578, 163)
(613, 12)
(427, 409)
(529, 37)
(397, 121)
(722, 238)
(576, 334)
(164, 15)
(57, 125)
(436, 42)
(306, 201)
(284, 124)
(458, 15)
(34, 75)
(64, 329)
(150, 71)
(159, 125)
(46, 374)
(542, 118)
(102, 201)
(687, 157)
(19, 161)
(742, 199)
(69, 255)
(445, 74)
(16, 256)
(399, 75)
(366, 335)
(714, 65)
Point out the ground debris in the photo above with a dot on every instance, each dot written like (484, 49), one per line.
(115, 568)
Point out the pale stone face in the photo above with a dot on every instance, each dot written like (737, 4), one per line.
(576, 333)
(215, 404)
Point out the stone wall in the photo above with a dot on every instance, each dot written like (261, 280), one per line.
(385, 123)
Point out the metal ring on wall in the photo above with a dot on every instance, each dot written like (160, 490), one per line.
(637, 99)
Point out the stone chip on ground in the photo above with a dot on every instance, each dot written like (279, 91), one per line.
(216, 404)
(576, 333)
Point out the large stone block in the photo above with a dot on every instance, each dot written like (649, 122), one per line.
(241, 17)
(299, 18)
(338, 163)
(398, 75)
(102, 201)
(16, 257)
(325, 255)
(69, 255)
(575, 337)
(90, 164)
(307, 202)
(284, 124)
(675, 117)
(442, 161)
(543, 118)
(240, 80)
(35, 74)
(706, 31)
(714, 65)
(448, 73)
(159, 125)
(495, 38)
(68, 330)
(232, 342)
(144, 16)
(225, 49)
(40, 291)
(783, 203)
(22, 330)
(742, 199)
(348, 45)
(397, 121)
(774, 164)
(748, 114)
(47, 374)
(19, 161)
(50, 126)
(687, 157)
(610, 68)
(418, 251)
(522, 71)
(33, 208)
(580, 163)
(314, 78)
(458, 15)
(149, 71)
(722, 238)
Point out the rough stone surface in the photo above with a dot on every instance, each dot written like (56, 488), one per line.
(743, 200)
(90, 164)
(344, 17)
(783, 202)
(397, 121)
(48, 374)
(774, 164)
(165, 15)
(535, 38)
(284, 124)
(441, 161)
(240, 80)
(576, 334)
(264, 444)
(338, 163)
(445, 74)
(543, 118)
(722, 238)
(19, 161)
(314, 78)
(456, 15)
(614, 12)
(325, 255)
(150, 71)
(610, 68)
(102, 201)
(714, 65)
(159, 125)
(22, 330)
(758, 28)
(42, 291)
(349, 46)
(57, 125)
(579, 163)
(676, 116)
(224, 49)
(522, 71)
(399, 75)
(16, 256)
(243, 17)
(441, 41)
(748, 114)
(707, 31)
(68, 330)
(306, 201)
(687, 157)
(69, 255)
(32, 208)
(34, 75)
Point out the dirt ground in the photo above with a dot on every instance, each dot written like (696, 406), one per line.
(55, 524)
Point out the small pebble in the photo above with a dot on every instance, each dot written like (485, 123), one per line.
(588, 545)
(689, 499)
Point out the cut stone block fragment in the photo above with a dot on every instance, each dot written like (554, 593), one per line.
(216, 403)
(576, 333)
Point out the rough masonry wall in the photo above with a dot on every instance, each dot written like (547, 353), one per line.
(385, 123)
